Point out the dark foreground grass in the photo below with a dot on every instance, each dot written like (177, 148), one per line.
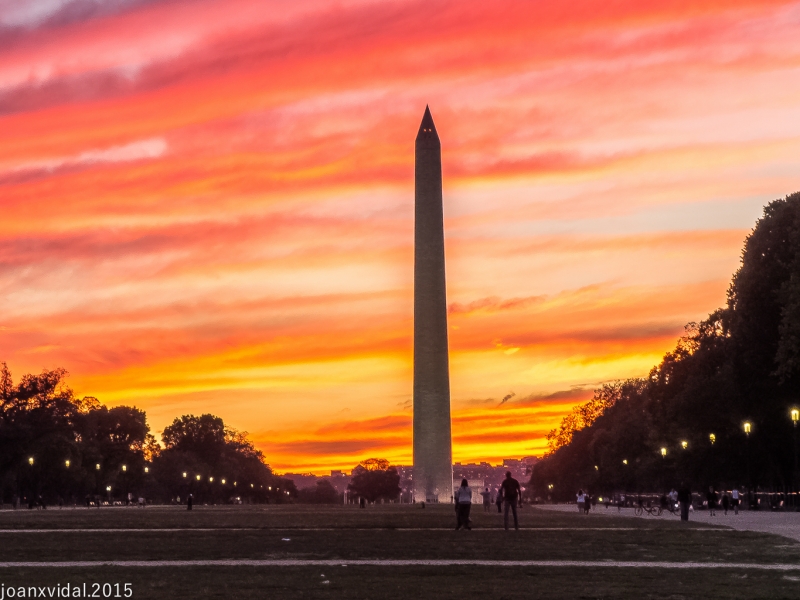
(400, 583)
(390, 532)
(389, 516)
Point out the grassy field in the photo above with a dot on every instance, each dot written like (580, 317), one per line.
(389, 532)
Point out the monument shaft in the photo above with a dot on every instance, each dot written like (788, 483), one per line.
(433, 464)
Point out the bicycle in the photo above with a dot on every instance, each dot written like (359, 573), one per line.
(654, 511)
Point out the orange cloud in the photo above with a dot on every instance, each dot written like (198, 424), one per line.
(211, 210)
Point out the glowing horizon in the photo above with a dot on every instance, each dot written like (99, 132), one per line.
(208, 207)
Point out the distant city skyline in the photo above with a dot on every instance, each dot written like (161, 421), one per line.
(208, 208)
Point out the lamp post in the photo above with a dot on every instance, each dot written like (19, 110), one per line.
(795, 414)
(795, 417)
(747, 427)
(712, 438)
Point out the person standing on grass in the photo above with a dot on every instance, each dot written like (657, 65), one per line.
(463, 504)
(189, 502)
(587, 503)
(581, 499)
(685, 500)
(487, 500)
(735, 499)
(711, 496)
(511, 493)
(725, 502)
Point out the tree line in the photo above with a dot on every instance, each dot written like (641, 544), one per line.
(57, 448)
(718, 409)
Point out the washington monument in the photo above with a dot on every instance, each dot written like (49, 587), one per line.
(433, 463)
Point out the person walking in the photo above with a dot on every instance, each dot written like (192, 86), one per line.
(511, 493)
(711, 497)
(189, 501)
(735, 500)
(685, 500)
(487, 500)
(581, 499)
(726, 502)
(587, 503)
(463, 504)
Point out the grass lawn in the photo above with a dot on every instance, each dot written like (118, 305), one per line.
(390, 532)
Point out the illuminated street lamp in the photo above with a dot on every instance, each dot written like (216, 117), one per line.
(124, 468)
(147, 469)
(596, 468)
(211, 479)
(684, 444)
(795, 416)
(712, 438)
(223, 482)
(30, 461)
(747, 427)
(663, 452)
(97, 467)
(624, 461)
(184, 474)
(198, 478)
(66, 462)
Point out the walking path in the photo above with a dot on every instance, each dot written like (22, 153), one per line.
(786, 524)
(401, 563)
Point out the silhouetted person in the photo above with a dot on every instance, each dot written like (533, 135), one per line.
(726, 502)
(587, 503)
(362, 503)
(463, 505)
(685, 500)
(189, 502)
(499, 500)
(511, 493)
(711, 497)
(735, 500)
(487, 500)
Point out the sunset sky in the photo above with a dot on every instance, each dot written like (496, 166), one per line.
(207, 205)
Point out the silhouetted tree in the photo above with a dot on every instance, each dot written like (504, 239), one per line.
(742, 363)
(374, 479)
(322, 493)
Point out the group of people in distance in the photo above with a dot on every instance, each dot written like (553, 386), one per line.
(683, 497)
(584, 502)
(508, 497)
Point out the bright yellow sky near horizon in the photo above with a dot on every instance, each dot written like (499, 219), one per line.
(208, 206)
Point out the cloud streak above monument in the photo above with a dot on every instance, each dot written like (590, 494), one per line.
(208, 206)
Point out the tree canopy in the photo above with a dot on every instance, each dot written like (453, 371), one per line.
(741, 364)
(55, 446)
(373, 480)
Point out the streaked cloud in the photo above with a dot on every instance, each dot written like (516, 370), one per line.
(212, 209)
